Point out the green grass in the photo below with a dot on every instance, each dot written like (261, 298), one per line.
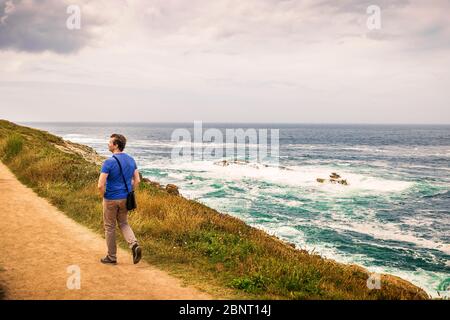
(12, 146)
(213, 251)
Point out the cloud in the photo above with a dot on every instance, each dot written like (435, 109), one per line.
(8, 9)
(298, 58)
(256, 25)
(40, 25)
(360, 6)
(226, 26)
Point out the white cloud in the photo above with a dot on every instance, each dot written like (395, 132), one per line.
(299, 60)
(9, 8)
(40, 25)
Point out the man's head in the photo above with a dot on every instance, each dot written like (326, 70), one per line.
(117, 143)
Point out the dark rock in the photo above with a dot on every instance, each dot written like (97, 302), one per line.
(172, 189)
(153, 183)
(334, 175)
(223, 163)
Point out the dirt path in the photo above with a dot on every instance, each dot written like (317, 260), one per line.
(38, 243)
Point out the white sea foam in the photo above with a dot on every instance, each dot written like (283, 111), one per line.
(177, 176)
(87, 140)
(427, 280)
(390, 231)
(288, 232)
(73, 135)
(195, 194)
(388, 150)
(285, 230)
(292, 203)
(298, 176)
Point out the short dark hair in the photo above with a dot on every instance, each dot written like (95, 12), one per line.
(119, 140)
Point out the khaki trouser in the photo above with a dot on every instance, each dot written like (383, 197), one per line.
(116, 210)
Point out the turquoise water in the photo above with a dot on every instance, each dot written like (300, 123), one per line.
(393, 217)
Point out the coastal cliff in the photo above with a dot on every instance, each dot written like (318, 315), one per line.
(206, 248)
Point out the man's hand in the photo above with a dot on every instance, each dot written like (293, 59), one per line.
(135, 180)
(102, 183)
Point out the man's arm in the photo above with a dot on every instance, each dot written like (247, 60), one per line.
(102, 183)
(135, 180)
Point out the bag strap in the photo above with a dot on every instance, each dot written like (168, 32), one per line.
(121, 172)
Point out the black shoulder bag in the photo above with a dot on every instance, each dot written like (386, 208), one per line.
(131, 199)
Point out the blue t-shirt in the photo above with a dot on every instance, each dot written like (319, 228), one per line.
(115, 187)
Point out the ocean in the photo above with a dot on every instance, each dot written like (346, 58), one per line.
(392, 217)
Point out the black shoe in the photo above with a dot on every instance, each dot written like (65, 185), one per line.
(137, 253)
(108, 260)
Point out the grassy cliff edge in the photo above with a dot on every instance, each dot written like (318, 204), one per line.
(210, 250)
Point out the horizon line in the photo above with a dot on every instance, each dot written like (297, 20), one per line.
(230, 122)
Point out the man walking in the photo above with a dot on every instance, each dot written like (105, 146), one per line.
(114, 192)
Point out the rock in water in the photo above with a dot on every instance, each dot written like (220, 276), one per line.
(334, 175)
(334, 178)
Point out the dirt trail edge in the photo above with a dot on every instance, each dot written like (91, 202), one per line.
(39, 244)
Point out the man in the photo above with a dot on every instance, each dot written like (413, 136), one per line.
(114, 192)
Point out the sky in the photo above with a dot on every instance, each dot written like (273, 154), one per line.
(269, 61)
